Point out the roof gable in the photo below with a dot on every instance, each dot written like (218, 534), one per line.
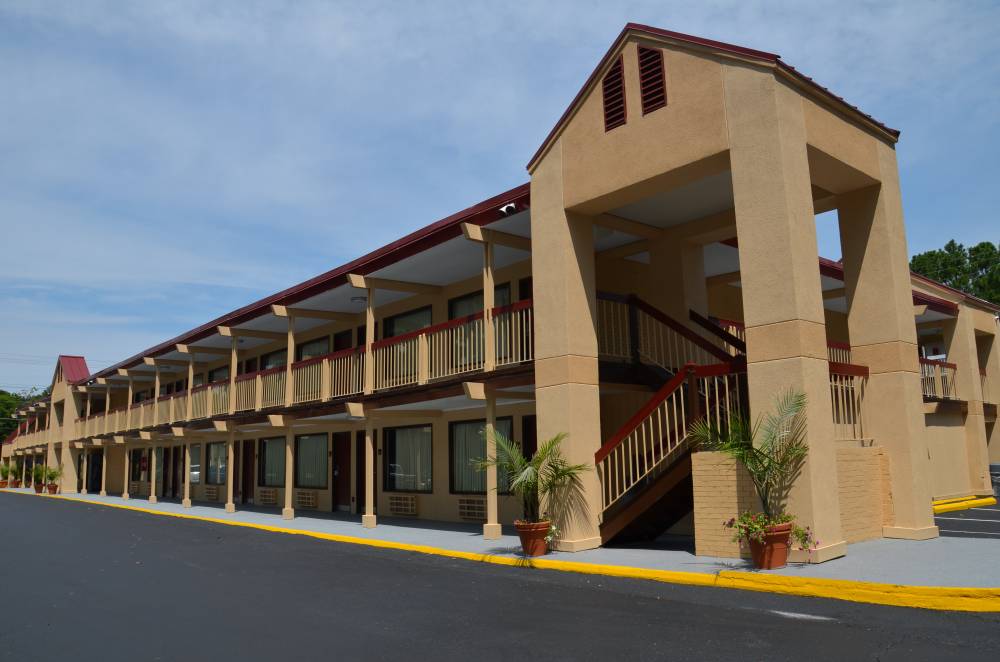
(73, 368)
(702, 44)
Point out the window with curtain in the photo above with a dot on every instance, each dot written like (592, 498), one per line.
(272, 462)
(218, 375)
(413, 320)
(408, 459)
(135, 464)
(195, 464)
(467, 445)
(216, 456)
(308, 350)
(310, 461)
(274, 359)
(469, 304)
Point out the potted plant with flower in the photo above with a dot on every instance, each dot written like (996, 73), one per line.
(4, 474)
(772, 450)
(52, 474)
(38, 478)
(536, 481)
(14, 477)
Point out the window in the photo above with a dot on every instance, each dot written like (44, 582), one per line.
(271, 462)
(218, 374)
(136, 467)
(250, 365)
(470, 304)
(406, 322)
(467, 445)
(199, 379)
(195, 464)
(407, 463)
(524, 288)
(613, 89)
(310, 461)
(652, 84)
(180, 386)
(216, 456)
(343, 340)
(308, 350)
(274, 359)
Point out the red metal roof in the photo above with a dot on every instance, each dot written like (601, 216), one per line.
(722, 46)
(482, 213)
(74, 368)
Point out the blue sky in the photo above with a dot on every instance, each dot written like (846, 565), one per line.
(157, 158)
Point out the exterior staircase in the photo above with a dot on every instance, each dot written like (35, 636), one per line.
(645, 467)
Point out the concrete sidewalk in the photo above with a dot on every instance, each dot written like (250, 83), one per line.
(941, 562)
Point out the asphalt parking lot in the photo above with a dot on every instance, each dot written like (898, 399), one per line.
(89, 582)
(972, 523)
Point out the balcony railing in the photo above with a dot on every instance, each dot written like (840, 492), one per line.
(438, 352)
(848, 384)
(937, 379)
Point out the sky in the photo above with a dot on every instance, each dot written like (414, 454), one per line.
(160, 160)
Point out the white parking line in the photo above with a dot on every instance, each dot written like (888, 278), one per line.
(801, 617)
(969, 519)
(978, 533)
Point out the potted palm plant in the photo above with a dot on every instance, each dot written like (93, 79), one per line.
(52, 474)
(772, 450)
(536, 480)
(4, 474)
(14, 478)
(38, 478)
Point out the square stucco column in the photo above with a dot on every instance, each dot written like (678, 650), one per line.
(288, 512)
(884, 337)
(782, 299)
(83, 470)
(681, 264)
(960, 338)
(567, 395)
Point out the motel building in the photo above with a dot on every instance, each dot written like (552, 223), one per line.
(660, 265)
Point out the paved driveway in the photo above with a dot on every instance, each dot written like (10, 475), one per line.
(972, 523)
(87, 582)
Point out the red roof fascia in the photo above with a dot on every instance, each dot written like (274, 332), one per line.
(482, 213)
(833, 269)
(722, 46)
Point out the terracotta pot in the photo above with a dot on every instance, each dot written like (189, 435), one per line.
(532, 536)
(773, 552)
(53, 488)
(3, 484)
(38, 488)
(17, 483)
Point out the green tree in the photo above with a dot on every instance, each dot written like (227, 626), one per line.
(975, 270)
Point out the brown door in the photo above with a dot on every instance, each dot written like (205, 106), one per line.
(247, 477)
(341, 470)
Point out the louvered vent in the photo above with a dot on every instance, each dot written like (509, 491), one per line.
(614, 96)
(652, 84)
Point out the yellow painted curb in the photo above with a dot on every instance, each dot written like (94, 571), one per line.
(945, 598)
(952, 505)
(940, 502)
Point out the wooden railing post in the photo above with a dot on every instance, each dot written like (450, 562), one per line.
(258, 396)
(324, 384)
(694, 400)
(938, 384)
(289, 360)
(423, 359)
(233, 362)
(369, 383)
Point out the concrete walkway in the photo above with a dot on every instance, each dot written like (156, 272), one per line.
(953, 562)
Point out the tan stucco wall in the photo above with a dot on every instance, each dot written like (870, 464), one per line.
(949, 461)
(865, 496)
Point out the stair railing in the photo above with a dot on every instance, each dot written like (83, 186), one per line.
(630, 329)
(658, 432)
(731, 334)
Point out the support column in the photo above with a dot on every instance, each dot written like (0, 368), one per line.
(230, 441)
(288, 512)
(190, 386)
(567, 396)
(681, 263)
(186, 502)
(233, 363)
(104, 471)
(152, 474)
(489, 295)
(782, 296)
(368, 518)
(83, 470)
(883, 337)
(156, 395)
(128, 405)
(369, 385)
(960, 339)
(491, 529)
(289, 360)
(125, 482)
